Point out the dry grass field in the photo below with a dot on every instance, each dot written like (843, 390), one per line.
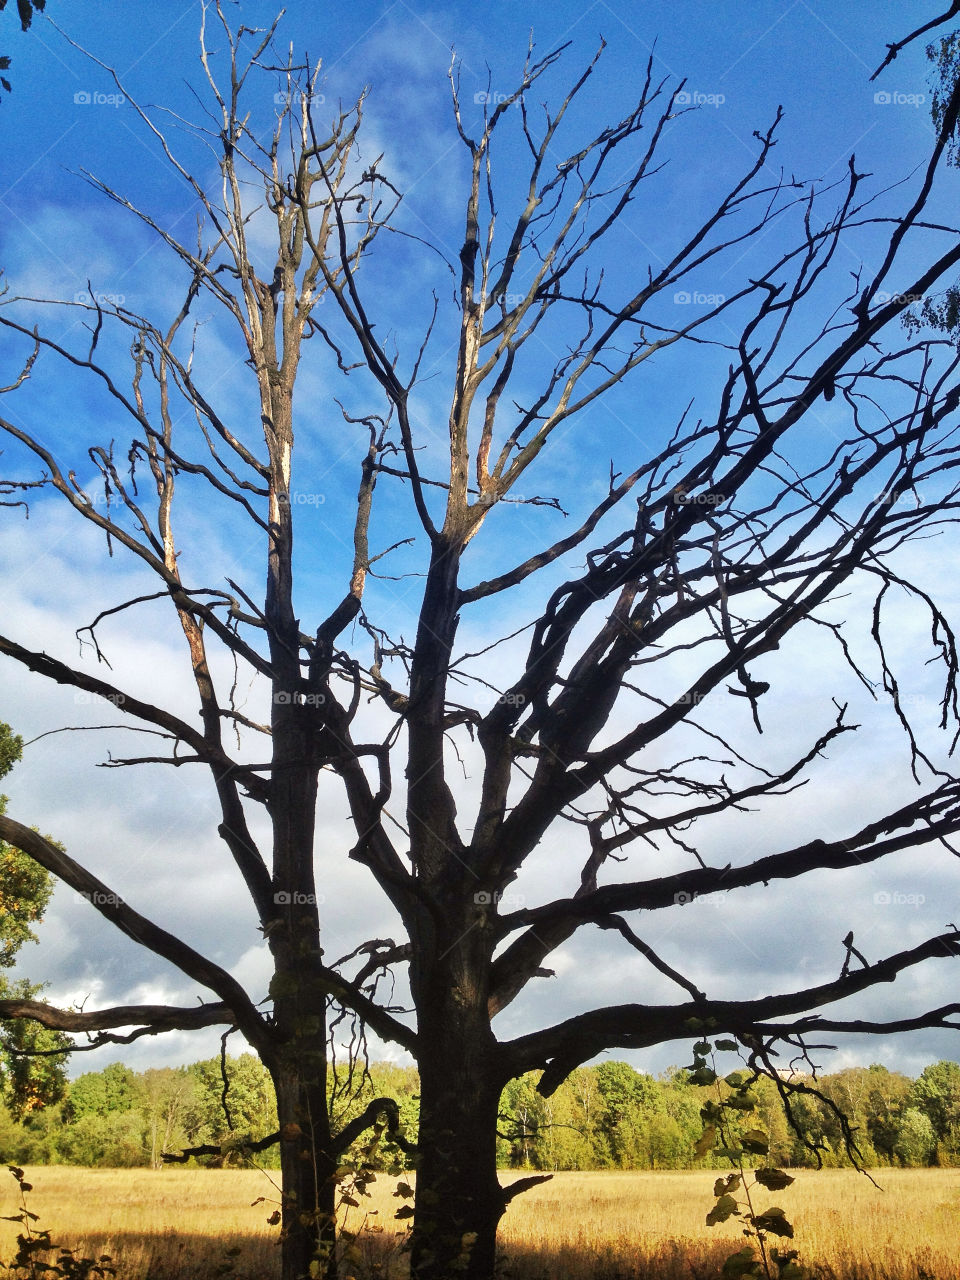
(581, 1226)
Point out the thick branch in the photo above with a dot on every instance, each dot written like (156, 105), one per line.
(939, 812)
(143, 931)
(560, 1048)
(153, 1018)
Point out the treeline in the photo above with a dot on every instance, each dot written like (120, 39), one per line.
(607, 1116)
(612, 1117)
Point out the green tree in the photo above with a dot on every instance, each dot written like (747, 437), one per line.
(629, 1099)
(25, 887)
(35, 1137)
(28, 1077)
(247, 1110)
(102, 1093)
(113, 1141)
(166, 1096)
(936, 1092)
(916, 1140)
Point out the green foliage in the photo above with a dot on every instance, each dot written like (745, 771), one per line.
(936, 1093)
(251, 1105)
(916, 1141)
(601, 1117)
(735, 1096)
(945, 55)
(99, 1093)
(25, 887)
(941, 311)
(27, 1082)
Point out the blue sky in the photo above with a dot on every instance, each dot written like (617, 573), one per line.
(59, 238)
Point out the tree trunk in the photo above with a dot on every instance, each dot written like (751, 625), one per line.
(308, 1180)
(459, 1201)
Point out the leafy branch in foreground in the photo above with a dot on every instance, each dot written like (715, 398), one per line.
(725, 1135)
(34, 1241)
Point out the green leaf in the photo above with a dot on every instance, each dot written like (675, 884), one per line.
(725, 1208)
(728, 1046)
(702, 1047)
(703, 1075)
(773, 1179)
(755, 1141)
(724, 1185)
(773, 1220)
(741, 1263)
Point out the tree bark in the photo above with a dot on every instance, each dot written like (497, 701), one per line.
(308, 1174)
(459, 1201)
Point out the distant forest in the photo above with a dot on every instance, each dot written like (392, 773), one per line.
(607, 1116)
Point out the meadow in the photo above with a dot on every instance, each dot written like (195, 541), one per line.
(158, 1225)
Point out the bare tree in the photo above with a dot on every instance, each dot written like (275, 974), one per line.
(706, 556)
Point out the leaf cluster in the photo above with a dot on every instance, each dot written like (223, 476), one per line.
(723, 1133)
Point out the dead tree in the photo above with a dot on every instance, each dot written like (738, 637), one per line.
(734, 529)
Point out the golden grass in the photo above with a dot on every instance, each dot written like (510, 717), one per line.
(580, 1226)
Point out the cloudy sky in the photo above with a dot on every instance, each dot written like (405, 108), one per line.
(151, 833)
